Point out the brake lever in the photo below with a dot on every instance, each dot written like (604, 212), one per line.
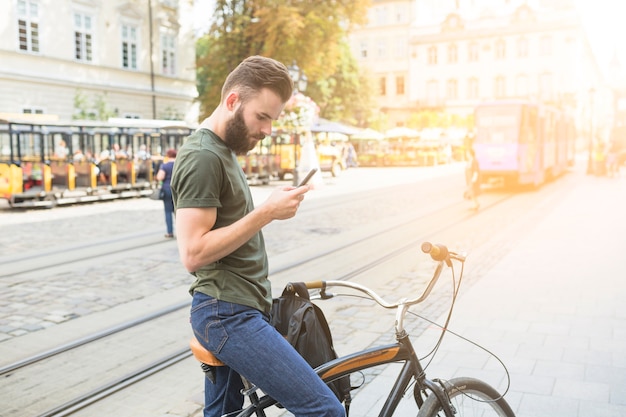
(458, 256)
(324, 295)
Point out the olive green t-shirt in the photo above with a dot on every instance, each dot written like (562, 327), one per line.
(207, 174)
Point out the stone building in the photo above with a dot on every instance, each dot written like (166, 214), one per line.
(448, 55)
(98, 59)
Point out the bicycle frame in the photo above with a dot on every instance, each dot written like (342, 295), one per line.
(401, 351)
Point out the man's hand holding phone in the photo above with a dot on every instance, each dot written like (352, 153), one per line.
(308, 177)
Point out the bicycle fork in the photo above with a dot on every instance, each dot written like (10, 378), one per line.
(413, 367)
(437, 388)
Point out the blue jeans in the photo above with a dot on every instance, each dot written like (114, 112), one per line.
(242, 338)
(168, 206)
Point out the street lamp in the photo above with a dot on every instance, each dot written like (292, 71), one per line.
(299, 78)
(300, 82)
(590, 151)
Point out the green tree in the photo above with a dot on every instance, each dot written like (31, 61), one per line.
(344, 95)
(221, 49)
(310, 33)
(97, 110)
(80, 106)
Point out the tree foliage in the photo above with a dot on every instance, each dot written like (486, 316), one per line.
(344, 95)
(97, 109)
(311, 33)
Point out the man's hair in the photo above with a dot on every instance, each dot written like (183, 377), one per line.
(258, 72)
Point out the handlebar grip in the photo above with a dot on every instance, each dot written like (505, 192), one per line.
(437, 251)
(315, 285)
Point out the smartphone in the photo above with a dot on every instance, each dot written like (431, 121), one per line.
(308, 177)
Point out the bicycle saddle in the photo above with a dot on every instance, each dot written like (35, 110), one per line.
(202, 354)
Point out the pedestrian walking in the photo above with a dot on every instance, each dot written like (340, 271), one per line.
(164, 176)
(612, 165)
(472, 178)
(221, 244)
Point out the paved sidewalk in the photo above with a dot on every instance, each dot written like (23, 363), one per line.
(554, 311)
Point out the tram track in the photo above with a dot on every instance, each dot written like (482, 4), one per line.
(120, 382)
(308, 258)
(89, 339)
(103, 391)
(100, 246)
(82, 373)
(320, 261)
(409, 244)
(85, 251)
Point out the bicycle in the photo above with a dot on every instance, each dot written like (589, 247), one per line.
(461, 396)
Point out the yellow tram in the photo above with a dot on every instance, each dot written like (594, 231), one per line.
(278, 155)
(46, 162)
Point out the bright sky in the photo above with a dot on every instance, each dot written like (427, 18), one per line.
(202, 14)
(605, 21)
(606, 28)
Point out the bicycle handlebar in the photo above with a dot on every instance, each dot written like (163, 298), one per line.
(438, 252)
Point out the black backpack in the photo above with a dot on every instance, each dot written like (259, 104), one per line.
(305, 327)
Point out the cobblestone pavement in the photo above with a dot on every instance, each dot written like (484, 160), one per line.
(549, 304)
(60, 295)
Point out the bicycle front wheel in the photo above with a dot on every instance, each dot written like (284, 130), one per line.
(469, 397)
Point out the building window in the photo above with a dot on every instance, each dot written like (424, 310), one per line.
(400, 48)
(500, 49)
(32, 110)
(472, 88)
(363, 49)
(129, 47)
(28, 25)
(451, 90)
(83, 37)
(472, 52)
(545, 86)
(432, 93)
(522, 48)
(168, 54)
(382, 86)
(401, 13)
(545, 46)
(521, 86)
(400, 85)
(452, 54)
(499, 87)
(432, 55)
(381, 15)
(382, 48)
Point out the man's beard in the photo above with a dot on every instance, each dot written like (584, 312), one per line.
(237, 135)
